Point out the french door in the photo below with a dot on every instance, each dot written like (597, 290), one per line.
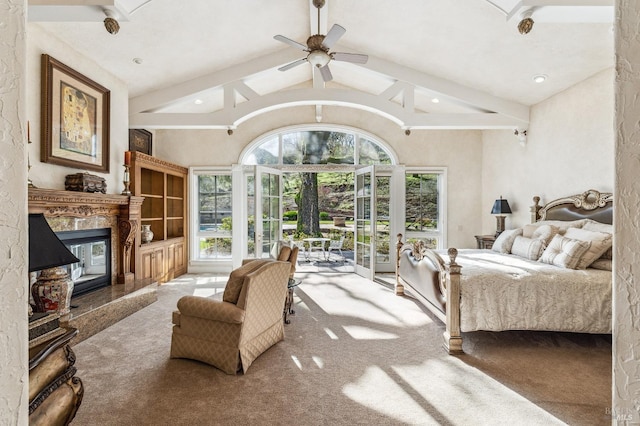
(257, 192)
(268, 206)
(364, 221)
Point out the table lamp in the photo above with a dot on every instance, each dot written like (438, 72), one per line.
(52, 290)
(500, 208)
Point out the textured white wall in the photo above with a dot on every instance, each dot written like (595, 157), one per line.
(569, 149)
(14, 400)
(460, 151)
(52, 176)
(626, 284)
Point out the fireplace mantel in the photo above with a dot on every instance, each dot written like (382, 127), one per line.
(122, 211)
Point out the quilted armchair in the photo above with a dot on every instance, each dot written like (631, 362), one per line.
(230, 334)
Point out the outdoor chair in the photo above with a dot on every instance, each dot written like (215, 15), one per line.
(336, 245)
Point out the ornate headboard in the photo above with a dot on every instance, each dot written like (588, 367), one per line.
(590, 204)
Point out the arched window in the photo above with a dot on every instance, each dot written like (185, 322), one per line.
(317, 146)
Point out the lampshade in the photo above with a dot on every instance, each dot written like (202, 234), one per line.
(45, 248)
(501, 207)
(318, 58)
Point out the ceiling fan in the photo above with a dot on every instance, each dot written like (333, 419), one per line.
(318, 46)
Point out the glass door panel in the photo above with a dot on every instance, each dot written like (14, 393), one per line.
(269, 225)
(364, 222)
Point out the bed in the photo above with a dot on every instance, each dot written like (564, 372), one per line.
(529, 280)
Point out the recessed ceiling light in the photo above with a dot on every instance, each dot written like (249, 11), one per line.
(137, 61)
(435, 100)
(540, 78)
(198, 102)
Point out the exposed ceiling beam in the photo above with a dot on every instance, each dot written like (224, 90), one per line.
(449, 89)
(405, 117)
(192, 88)
(80, 10)
(453, 91)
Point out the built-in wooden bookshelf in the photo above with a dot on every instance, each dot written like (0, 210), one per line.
(164, 188)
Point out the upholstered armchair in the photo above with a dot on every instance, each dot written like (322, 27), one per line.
(230, 334)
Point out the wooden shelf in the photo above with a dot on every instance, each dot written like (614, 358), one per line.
(164, 186)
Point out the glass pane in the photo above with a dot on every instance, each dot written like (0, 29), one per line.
(318, 147)
(265, 153)
(422, 202)
(275, 208)
(251, 213)
(274, 187)
(372, 153)
(366, 208)
(214, 196)
(265, 208)
(265, 180)
(215, 248)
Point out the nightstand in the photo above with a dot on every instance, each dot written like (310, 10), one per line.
(485, 241)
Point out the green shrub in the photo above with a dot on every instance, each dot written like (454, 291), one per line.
(290, 215)
(324, 216)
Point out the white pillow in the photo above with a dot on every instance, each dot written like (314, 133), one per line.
(503, 243)
(545, 233)
(564, 252)
(600, 243)
(562, 226)
(592, 225)
(528, 248)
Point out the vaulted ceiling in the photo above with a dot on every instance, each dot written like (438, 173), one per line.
(213, 63)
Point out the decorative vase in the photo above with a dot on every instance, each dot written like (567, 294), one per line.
(52, 291)
(146, 235)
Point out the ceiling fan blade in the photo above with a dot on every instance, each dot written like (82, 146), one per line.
(326, 73)
(333, 35)
(292, 64)
(290, 42)
(355, 58)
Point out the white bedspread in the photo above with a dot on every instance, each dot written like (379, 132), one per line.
(506, 292)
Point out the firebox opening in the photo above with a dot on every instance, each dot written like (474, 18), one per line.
(93, 248)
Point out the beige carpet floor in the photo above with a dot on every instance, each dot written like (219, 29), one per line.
(354, 353)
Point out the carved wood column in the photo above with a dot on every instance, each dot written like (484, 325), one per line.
(128, 224)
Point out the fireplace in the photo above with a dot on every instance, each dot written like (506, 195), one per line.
(93, 248)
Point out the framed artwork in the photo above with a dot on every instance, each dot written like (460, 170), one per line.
(140, 140)
(75, 118)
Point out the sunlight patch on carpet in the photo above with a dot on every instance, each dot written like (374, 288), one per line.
(366, 391)
(331, 334)
(368, 333)
(460, 391)
(362, 299)
(319, 361)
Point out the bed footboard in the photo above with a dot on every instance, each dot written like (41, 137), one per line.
(438, 290)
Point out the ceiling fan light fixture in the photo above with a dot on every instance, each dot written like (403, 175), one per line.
(318, 58)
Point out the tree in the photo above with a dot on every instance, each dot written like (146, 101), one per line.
(314, 151)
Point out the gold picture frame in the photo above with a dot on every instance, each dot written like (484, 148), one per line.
(75, 118)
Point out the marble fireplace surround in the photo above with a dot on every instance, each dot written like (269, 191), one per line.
(72, 211)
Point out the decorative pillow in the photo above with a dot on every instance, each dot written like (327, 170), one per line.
(236, 279)
(562, 226)
(592, 225)
(285, 252)
(564, 252)
(528, 248)
(604, 264)
(503, 243)
(545, 233)
(600, 243)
